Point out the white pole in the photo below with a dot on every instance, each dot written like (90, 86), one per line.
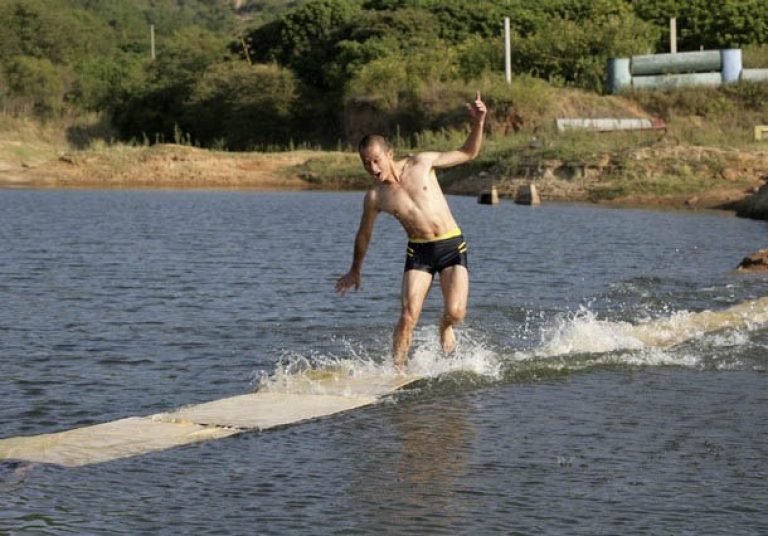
(152, 40)
(673, 35)
(507, 51)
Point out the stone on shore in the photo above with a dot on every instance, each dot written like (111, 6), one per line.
(489, 197)
(757, 262)
(527, 195)
(756, 205)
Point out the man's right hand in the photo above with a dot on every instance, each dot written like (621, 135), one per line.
(350, 279)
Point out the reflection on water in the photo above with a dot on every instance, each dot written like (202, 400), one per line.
(434, 457)
(131, 303)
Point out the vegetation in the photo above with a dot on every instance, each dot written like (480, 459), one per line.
(239, 74)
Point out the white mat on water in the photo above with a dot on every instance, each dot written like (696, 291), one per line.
(301, 399)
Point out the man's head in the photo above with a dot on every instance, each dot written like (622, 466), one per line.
(377, 156)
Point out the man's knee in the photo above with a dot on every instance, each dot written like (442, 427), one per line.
(454, 313)
(409, 317)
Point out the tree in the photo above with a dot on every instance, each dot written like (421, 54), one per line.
(159, 107)
(34, 85)
(101, 81)
(711, 24)
(575, 51)
(305, 38)
(50, 30)
(242, 106)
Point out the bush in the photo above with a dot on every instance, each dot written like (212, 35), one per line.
(241, 106)
(574, 52)
(34, 86)
(382, 79)
(99, 81)
(711, 24)
(156, 105)
(693, 101)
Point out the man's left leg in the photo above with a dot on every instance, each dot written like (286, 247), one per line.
(454, 283)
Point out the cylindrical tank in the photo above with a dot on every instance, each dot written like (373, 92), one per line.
(731, 61)
(669, 81)
(683, 62)
(754, 75)
(619, 76)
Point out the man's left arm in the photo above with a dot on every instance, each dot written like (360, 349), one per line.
(471, 147)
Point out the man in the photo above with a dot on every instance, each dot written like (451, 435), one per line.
(408, 190)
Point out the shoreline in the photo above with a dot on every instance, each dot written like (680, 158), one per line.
(180, 167)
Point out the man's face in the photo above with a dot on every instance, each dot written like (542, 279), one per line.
(377, 162)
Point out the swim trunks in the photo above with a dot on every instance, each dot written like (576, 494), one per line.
(437, 254)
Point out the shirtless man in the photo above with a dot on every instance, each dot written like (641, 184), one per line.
(408, 190)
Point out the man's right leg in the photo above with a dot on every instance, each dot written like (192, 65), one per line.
(416, 284)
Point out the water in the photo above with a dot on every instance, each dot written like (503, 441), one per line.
(550, 421)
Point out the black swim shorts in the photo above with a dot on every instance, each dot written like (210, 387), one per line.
(437, 254)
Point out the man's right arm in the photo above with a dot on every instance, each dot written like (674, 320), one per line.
(362, 239)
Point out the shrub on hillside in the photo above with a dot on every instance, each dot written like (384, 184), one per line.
(574, 52)
(34, 85)
(241, 106)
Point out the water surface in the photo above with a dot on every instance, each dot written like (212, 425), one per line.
(118, 303)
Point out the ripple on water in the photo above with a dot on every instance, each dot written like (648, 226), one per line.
(555, 417)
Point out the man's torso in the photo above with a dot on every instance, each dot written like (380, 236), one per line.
(416, 200)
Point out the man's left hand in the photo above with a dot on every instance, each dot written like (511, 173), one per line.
(477, 109)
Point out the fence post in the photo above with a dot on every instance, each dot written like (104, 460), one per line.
(507, 51)
(673, 35)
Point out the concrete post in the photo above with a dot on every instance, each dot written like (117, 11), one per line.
(507, 51)
(673, 35)
(152, 40)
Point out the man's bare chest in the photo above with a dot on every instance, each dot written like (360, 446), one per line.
(404, 197)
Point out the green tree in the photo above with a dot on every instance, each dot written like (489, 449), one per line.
(159, 107)
(50, 30)
(383, 78)
(477, 56)
(34, 85)
(575, 51)
(243, 105)
(710, 24)
(100, 81)
(305, 39)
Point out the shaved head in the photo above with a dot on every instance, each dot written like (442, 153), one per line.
(371, 140)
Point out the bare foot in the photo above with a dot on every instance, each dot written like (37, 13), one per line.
(448, 340)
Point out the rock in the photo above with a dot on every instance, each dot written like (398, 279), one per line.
(527, 195)
(489, 198)
(755, 206)
(757, 262)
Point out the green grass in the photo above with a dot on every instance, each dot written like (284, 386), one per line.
(334, 169)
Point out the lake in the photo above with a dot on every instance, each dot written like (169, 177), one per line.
(548, 421)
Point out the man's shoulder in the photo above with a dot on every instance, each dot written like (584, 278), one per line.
(420, 159)
(371, 198)
(417, 157)
(424, 157)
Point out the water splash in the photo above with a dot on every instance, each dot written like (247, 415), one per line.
(567, 342)
(306, 373)
(583, 332)
(472, 355)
